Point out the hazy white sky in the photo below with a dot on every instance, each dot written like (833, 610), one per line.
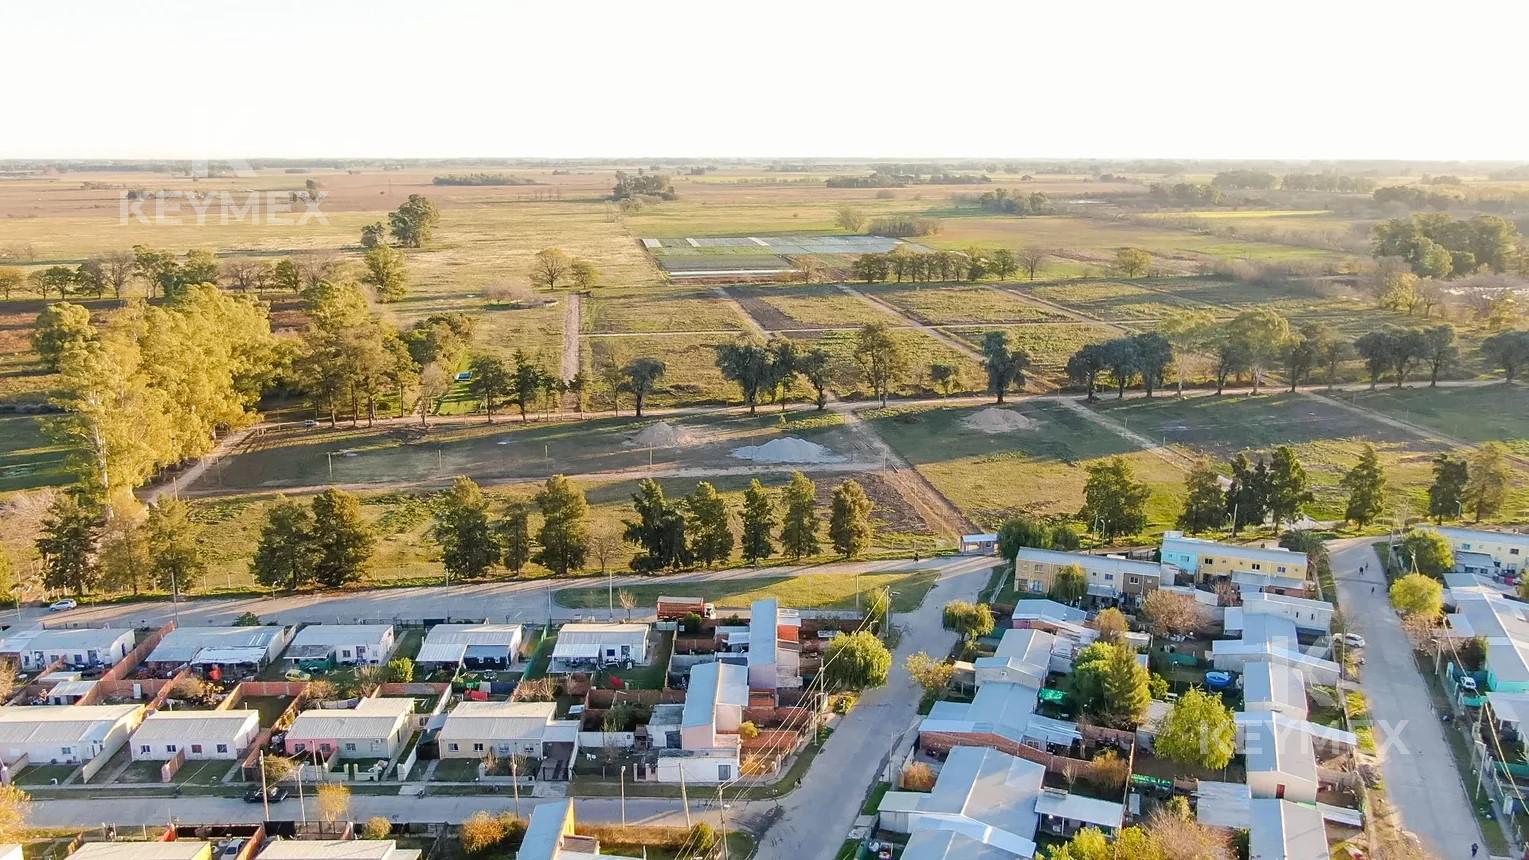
(1009, 78)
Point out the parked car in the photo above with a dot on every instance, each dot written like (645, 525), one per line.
(296, 674)
(275, 794)
(1353, 640)
(61, 605)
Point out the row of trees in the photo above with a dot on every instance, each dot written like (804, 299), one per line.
(972, 264)
(1437, 245)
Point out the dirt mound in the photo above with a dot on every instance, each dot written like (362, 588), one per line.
(787, 449)
(995, 420)
(661, 435)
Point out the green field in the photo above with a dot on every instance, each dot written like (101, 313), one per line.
(955, 304)
(28, 457)
(1112, 300)
(1475, 415)
(806, 591)
(1034, 472)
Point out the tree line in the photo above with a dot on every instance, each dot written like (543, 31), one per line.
(972, 264)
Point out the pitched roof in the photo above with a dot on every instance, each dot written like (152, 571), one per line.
(1275, 684)
(63, 638)
(713, 684)
(1283, 830)
(195, 725)
(183, 644)
(340, 634)
(179, 849)
(1201, 547)
(336, 849)
(498, 720)
(986, 795)
(372, 718)
(60, 724)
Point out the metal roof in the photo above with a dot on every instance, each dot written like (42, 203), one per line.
(179, 849)
(341, 634)
(372, 718)
(1076, 807)
(949, 845)
(1283, 830)
(61, 724)
(182, 644)
(336, 849)
(1275, 684)
(713, 684)
(63, 639)
(479, 721)
(196, 725)
(981, 793)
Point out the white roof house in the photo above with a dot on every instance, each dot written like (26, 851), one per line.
(1271, 686)
(1282, 830)
(71, 733)
(950, 845)
(1005, 710)
(350, 644)
(219, 645)
(1046, 609)
(176, 849)
(550, 835)
(473, 729)
(774, 646)
(76, 646)
(199, 734)
(1313, 616)
(374, 728)
(983, 794)
(597, 644)
(709, 749)
(336, 849)
(472, 644)
(1272, 638)
(1023, 656)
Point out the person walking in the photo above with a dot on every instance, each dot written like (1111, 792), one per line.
(1474, 848)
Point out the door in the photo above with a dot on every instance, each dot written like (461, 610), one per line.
(1279, 791)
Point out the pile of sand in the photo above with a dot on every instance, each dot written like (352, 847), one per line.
(787, 449)
(661, 435)
(995, 420)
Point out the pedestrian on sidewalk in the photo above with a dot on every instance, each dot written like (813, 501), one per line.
(1474, 848)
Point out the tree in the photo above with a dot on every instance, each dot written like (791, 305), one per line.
(658, 531)
(401, 669)
(1428, 552)
(1287, 486)
(175, 559)
(60, 329)
(758, 523)
(1259, 335)
(701, 835)
(799, 523)
(15, 811)
(584, 274)
(124, 556)
(1126, 691)
(849, 520)
(373, 234)
(1199, 731)
(1418, 594)
(481, 831)
(11, 281)
(1508, 350)
(640, 375)
(971, 620)
(1366, 486)
(745, 362)
(1204, 500)
(814, 365)
(1085, 365)
(881, 358)
(931, 674)
(54, 279)
(945, 377)
(1132, 262)
(1329, 348)
(1486, 490)
(1004, 367)
(1378, 349)
(1069, 585)
(1111, 624)
(849, 219)
(491, 381)
(514, 532)
(434, 382)
(1154, 354)
(1121, 360)
(564, 535)
(67, 543)
(377, 827)
(1030, 260)
(1114, 502)
(342, 540)
(525, 382)
(468, 545)
(856, 662)
(1019, 532)
(386, 272)
(285, 555)
(549, 267)
(414, 222)
(1446, 495)
(1170, 613)
(1439, 350)
(1187, 332)
(1299, 355)
(711, 535)
(1247, 497)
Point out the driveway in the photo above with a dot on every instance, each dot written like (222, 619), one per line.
(1420, 774)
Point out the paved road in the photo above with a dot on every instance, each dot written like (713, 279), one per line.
(1420, 773)
(818, 815)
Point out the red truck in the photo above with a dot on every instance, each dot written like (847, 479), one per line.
(676, 608)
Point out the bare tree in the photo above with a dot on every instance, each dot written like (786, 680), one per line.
(1030, 260)
(628, 602)
(605, 543)
(116, 271)
(314, 267)
(550, 267)
(242, 275)
(849, 219)
(1168, 613)
(334, 801)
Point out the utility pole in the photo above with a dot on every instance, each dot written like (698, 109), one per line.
(722, 811)
(623, 795)
(515, 781)
(265, 794)
(684, 798)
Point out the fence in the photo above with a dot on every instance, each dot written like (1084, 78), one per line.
(168, 769)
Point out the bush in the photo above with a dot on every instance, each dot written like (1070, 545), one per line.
(747, 730)
(377, 827)
(480, 832)
(703, 837)
(247, 619)
(917, 777)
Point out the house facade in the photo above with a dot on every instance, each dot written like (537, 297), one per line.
(70, 734)
(1209, 560)
(76, 647)
(342, 645)
(1505, 552)
(200, 735)
(1111, 579)
(476, 730)
(375, 728)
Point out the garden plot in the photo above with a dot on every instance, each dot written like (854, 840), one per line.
(802, 306)
(952, 304)
(1111, 300)
(749, 256)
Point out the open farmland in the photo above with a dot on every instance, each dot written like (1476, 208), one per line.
(958, 304)
(1038, 471)
(1049, 344)
(921, 351)
(1474, 415)
(805, 306)
(1115, 301)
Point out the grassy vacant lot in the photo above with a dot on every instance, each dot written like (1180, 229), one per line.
(28, 457)
(1049, 344)
(1326, 438)
(679, 308)
(690, 368)
(1478, 414)
(954, 304)
(807, 591)
(797, 306)
(1111, 300)
(921, 351)
(1036, 472)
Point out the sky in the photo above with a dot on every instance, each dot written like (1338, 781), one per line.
(831, 78)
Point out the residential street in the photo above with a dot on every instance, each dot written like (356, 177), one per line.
(1420, 774)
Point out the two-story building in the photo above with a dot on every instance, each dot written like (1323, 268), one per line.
(1208, 560)
(1486, 552)
(1111, 579)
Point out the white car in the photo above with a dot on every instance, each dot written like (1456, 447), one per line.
(61, 605)
(1353, 640)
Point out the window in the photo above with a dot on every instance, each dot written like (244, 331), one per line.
(1036, 587)
(169, 748)
(1281, 569)
(1135, 580)
(222, 748)
(1109, 577)
(350, 747)
(196, 749)
(477, 747)
(1513, 551)
(453, 747)
(145, 749)
(1257, 566)
(70, 750)
(325, 748)
(299, 748)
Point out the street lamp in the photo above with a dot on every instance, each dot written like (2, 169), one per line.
(623, 795)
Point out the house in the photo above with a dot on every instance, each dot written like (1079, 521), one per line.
(1208, 560)
(980, 544)
(1274, 687)
(530, 729)
(1509, 710)
(175, 849)
(319, 646)
(996, 802)
(709, 742)
(1310, 616)
(1001, 716)
(219, 650)
(337, 849)
(1023, 656)
(1281, 764)
(589, 646)
(775, 647)
(1031, 613)
(1487, 552)
(72, 734)
(375, 728)
(66, 688)
(550, 835)
(77, 647)
(1111, 579)
(1503, 624)
(1283, 830)
(471, 646)
(1249, 582)
(1272, 638)
(198, 734)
